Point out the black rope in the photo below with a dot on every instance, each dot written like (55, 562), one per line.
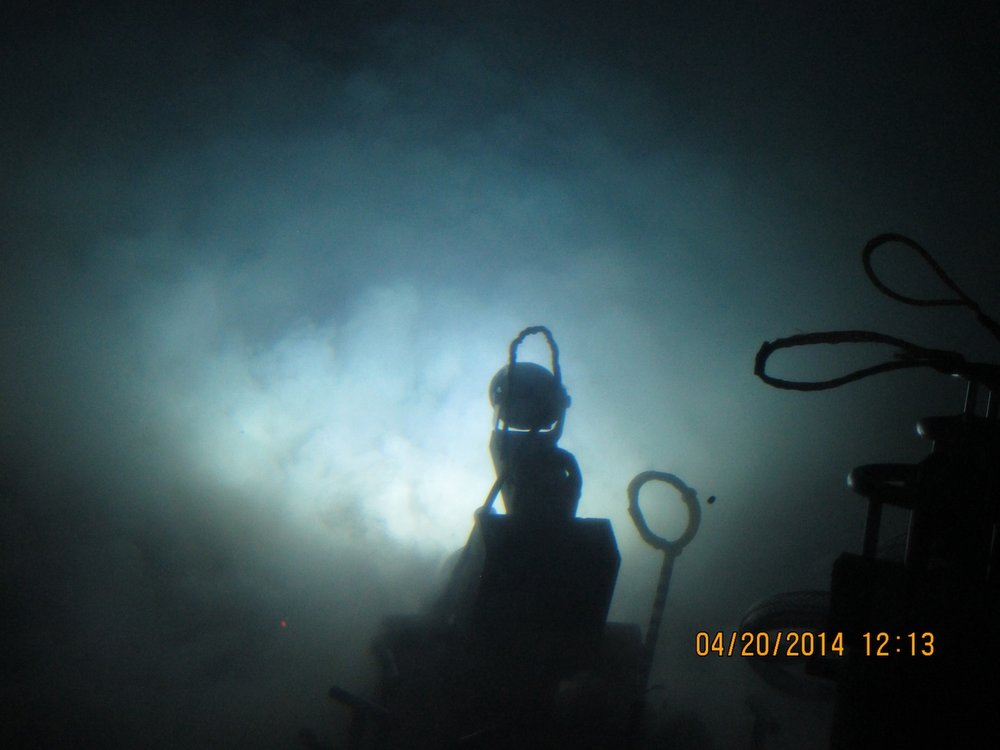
(552, 347)
(908, 355)
(961, 297)
(512, 359)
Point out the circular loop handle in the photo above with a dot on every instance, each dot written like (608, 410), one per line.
(688, 496)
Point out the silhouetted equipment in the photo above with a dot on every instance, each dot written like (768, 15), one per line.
(922, 634)
(517, 651)
(670, 549)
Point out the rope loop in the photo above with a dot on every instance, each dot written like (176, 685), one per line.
(688, 496)
(908, 355)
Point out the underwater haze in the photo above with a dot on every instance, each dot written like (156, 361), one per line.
(260, 261)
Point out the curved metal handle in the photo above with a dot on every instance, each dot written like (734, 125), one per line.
(688, 496)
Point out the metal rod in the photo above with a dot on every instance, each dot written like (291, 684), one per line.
(656, 616)
(971, 393)
(872, 527)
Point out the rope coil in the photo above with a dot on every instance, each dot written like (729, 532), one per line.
(908, 354)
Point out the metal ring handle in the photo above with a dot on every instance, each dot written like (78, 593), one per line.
(688, 496)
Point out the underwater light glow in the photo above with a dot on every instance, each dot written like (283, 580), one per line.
(374, 426)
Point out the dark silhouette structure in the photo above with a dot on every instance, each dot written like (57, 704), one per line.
(919, 637)
(517, 652)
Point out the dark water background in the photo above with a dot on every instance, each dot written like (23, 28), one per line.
(260, 260)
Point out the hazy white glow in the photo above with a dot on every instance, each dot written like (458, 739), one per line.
(374, 425)
(374, 422)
